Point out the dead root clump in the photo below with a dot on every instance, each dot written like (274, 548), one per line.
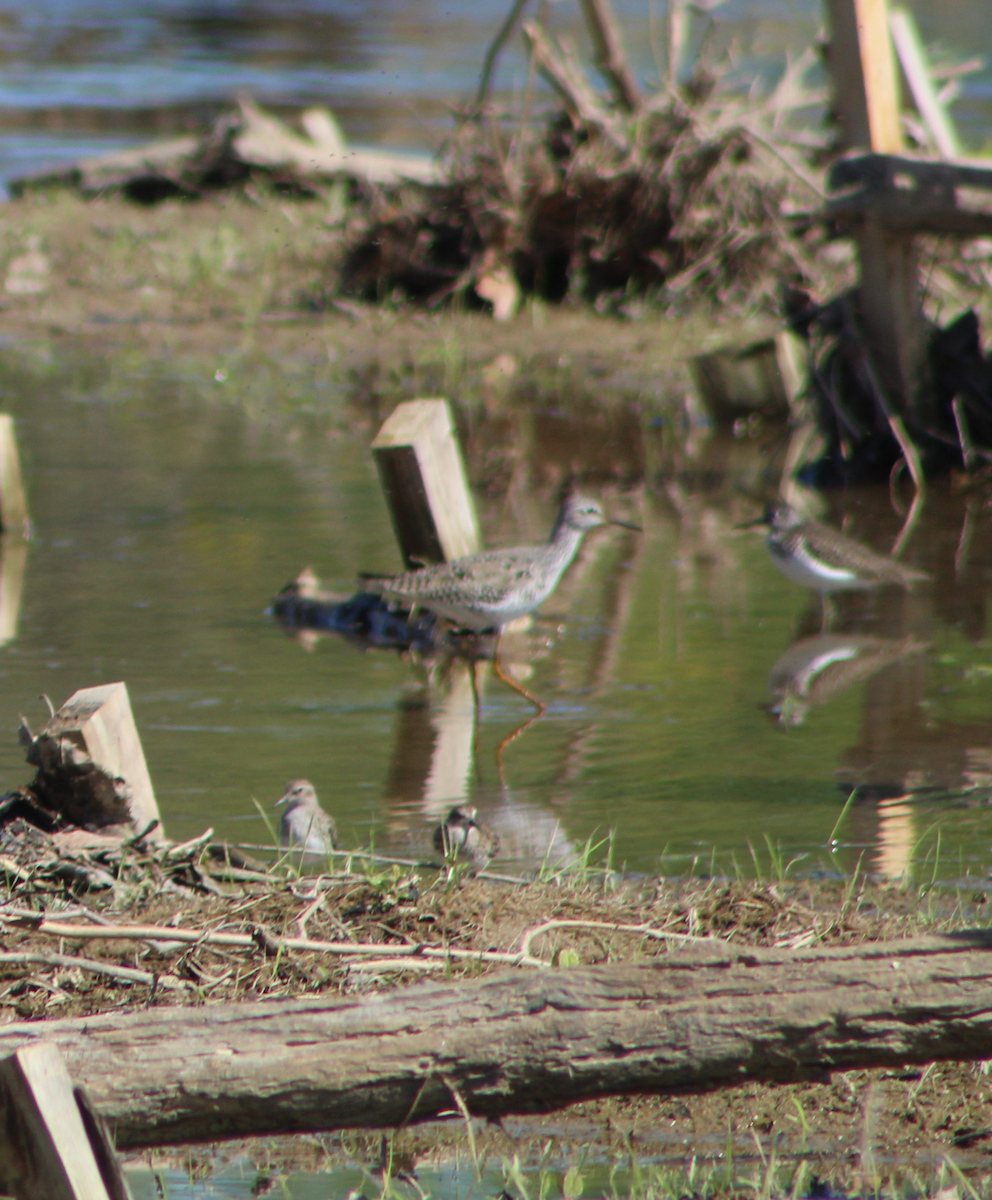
(690, 210)
(694, 194)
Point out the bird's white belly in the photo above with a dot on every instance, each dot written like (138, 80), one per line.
(811, 572)
(477, 618)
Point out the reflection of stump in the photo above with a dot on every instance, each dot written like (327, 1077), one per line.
(91, 767)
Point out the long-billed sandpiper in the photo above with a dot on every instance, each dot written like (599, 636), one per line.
(486, 591)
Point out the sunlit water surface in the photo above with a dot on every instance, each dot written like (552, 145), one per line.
(701, 709)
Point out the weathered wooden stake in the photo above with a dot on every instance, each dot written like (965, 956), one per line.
(768, 376)
(865, 80)
(47, 1152)
(13, 504)
(100, 720)
(423, 477)
(866, 100)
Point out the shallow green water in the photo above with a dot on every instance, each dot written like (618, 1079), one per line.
(169, 508)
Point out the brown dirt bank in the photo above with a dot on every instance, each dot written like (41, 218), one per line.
(897, 1117)
(227, 275)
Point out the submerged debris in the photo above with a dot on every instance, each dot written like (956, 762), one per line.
(368, 621)
(867, 436)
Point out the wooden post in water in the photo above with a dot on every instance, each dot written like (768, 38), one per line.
(866, 101)
(865, 81)
(100, 718)
(51, 1146)
(423, 478)
(13, 504)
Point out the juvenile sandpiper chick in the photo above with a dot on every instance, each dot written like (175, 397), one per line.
(462, 836)
(304, 825)
(486, 591)
(820, 557)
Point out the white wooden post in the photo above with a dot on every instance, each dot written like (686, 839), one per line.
(46, 1152)
(13, 565)
(866, 100)
(423, 477)
(100, 719)
(865, 81)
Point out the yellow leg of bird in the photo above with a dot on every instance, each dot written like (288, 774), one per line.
(515, 683)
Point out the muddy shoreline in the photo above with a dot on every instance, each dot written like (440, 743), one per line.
(852, 1126)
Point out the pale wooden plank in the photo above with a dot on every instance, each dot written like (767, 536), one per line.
(100, 718)
(864, 77)
(45, 1151)
(423, 477)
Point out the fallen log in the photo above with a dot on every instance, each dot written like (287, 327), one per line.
(693, 1020)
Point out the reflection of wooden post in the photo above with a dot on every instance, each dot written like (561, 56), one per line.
(896, 837)
(46, 1150)
(423, 476)
(13, 564)
(13, 505)
(100, 718)
(454, 726)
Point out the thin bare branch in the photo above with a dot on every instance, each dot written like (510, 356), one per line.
(610, 58)
(503, 35)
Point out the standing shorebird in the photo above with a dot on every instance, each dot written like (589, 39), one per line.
(460, 835)
(820, 557)
(486, 591)
(304, 825)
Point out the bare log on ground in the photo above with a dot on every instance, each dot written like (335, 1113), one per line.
(691, 1021)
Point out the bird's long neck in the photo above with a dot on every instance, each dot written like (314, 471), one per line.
(565, 541)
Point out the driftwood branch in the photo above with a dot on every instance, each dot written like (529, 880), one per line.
(559, 67)
(503, 35)
(165, 934)
(610, 58)
(690, 1021)
(91, 965)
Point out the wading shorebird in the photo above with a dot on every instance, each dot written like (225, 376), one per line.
(304, 825)
(820, 557)
(460, 835)
(485, 591)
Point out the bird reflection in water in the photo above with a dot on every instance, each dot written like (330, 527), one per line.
(816, 669)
